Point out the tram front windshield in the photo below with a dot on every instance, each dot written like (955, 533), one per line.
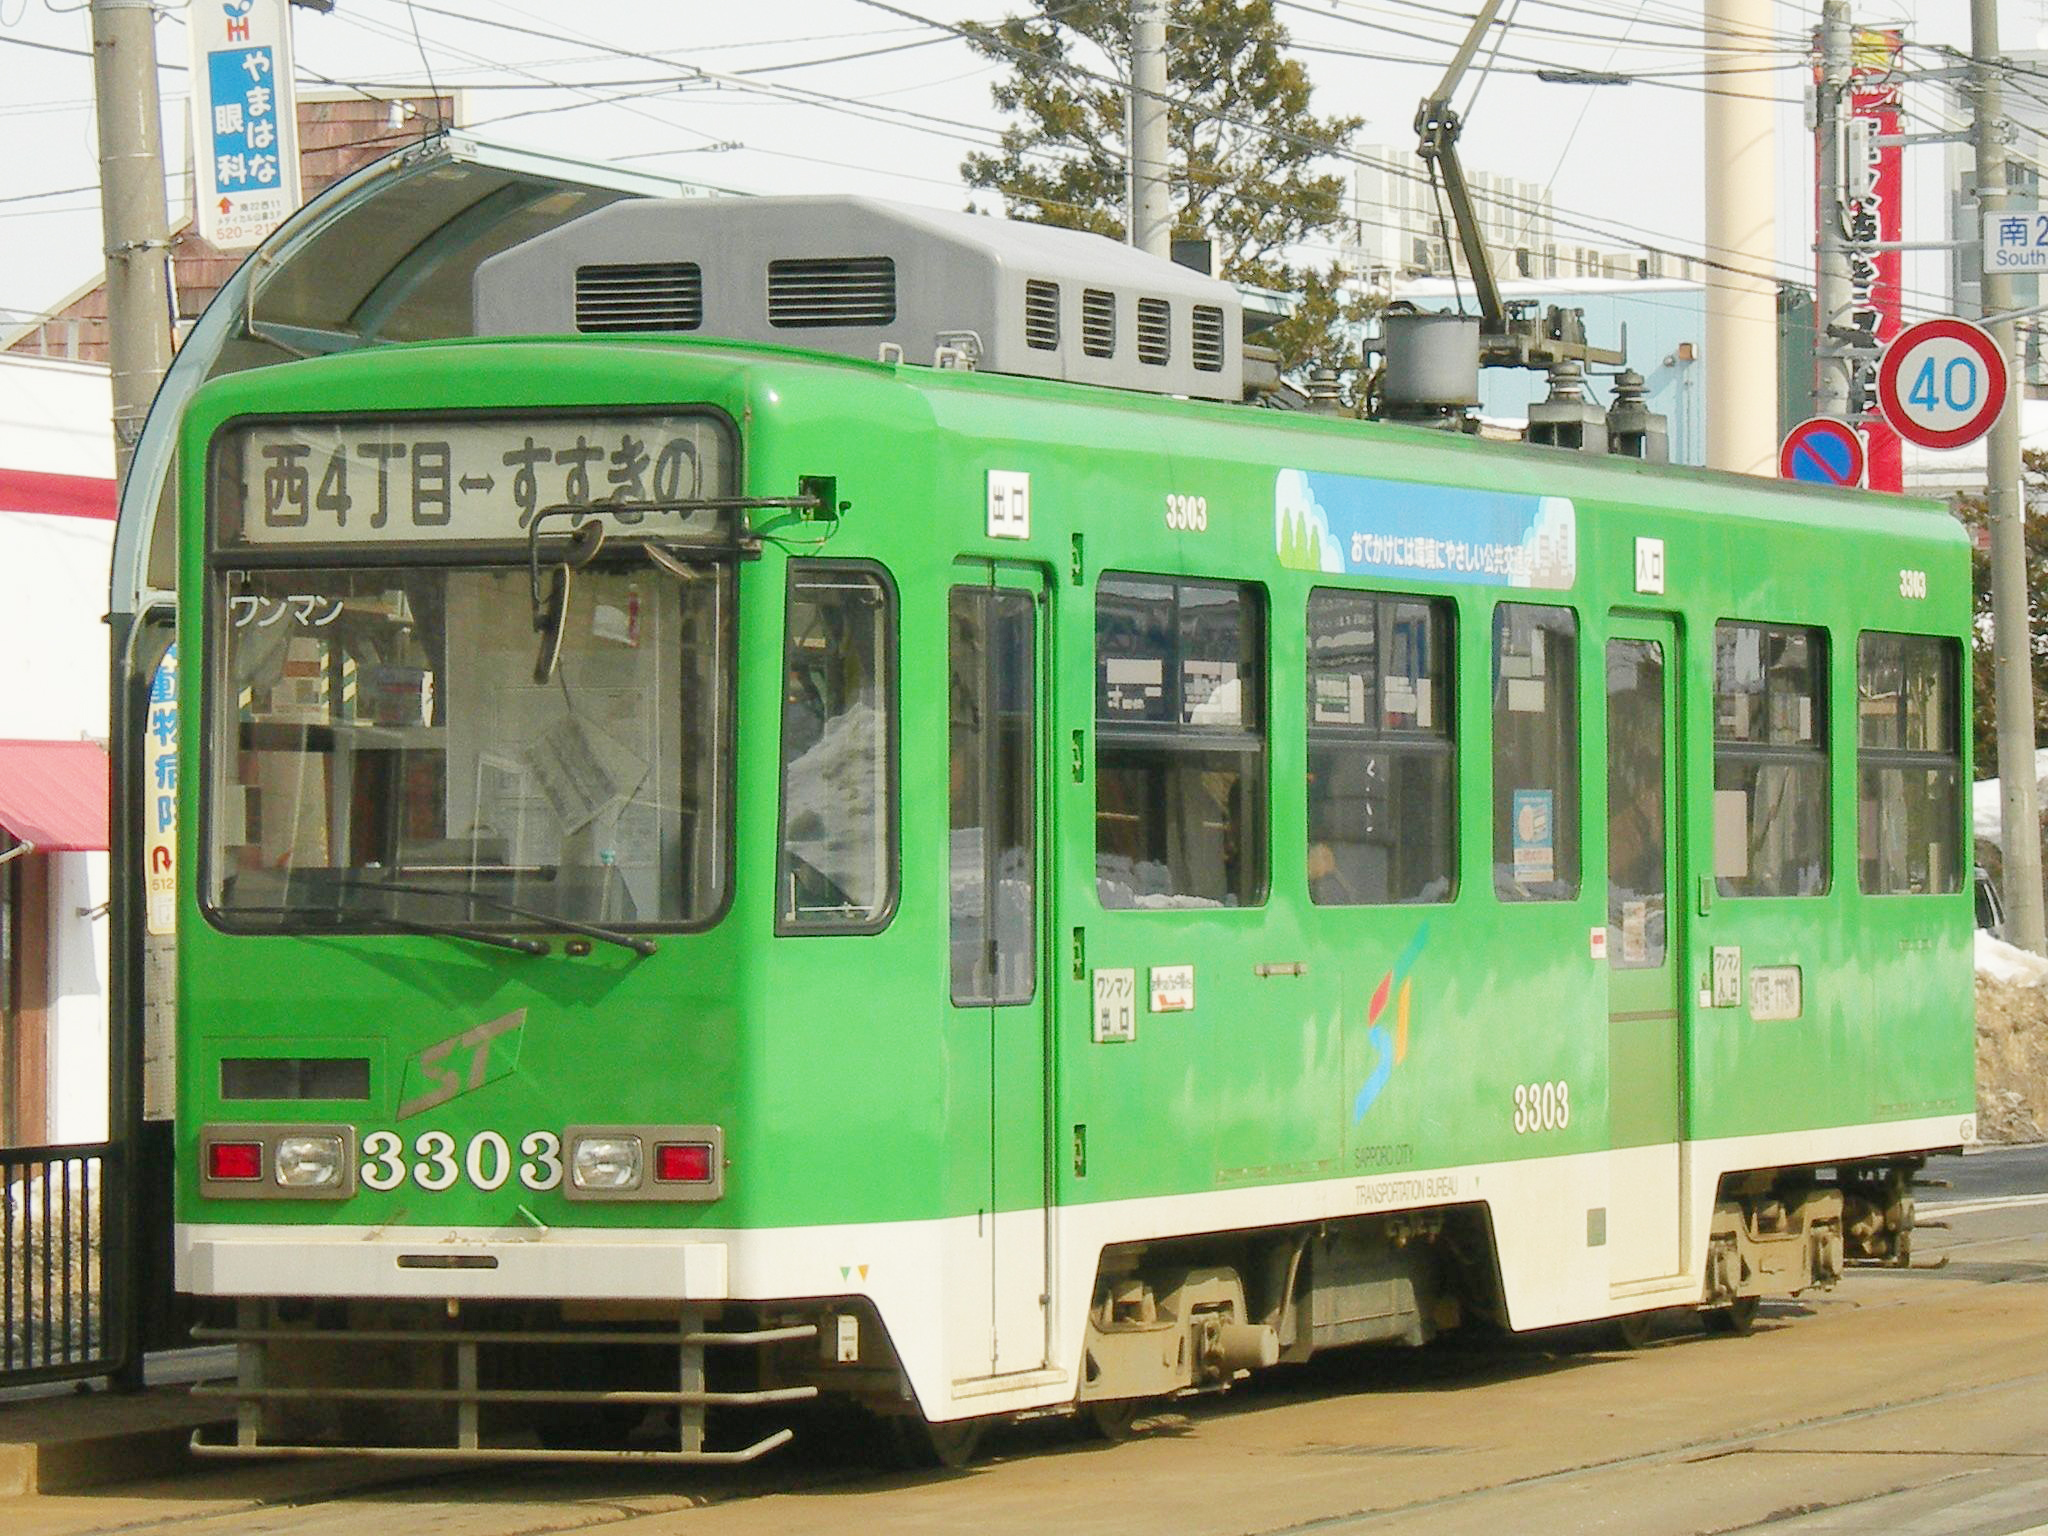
(399, 743)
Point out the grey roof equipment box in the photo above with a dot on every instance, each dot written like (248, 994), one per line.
(874, 279)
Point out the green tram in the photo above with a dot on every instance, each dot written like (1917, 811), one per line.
(724, 865)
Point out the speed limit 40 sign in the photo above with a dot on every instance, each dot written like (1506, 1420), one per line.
(1942, 383)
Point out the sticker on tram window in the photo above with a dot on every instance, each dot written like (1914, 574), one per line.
(436, 1161)
(442, 479)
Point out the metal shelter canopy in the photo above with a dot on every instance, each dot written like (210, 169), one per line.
(384, 255)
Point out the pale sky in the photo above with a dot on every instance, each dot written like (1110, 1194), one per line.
(789, 113)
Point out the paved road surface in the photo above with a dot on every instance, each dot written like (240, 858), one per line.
(1915, 1404)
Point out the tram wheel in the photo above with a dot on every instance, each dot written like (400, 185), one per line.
(1737, 1318)
(1635, 1329)
(1112, 1419)
(922, 1444)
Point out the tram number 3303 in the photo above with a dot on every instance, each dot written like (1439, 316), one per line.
(1187, 513)
(1542, 1107)
(487, 1162)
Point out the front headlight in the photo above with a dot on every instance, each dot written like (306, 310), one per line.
(310, 1162)
(605, 1162)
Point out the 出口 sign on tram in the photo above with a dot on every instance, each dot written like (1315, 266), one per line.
(441, 479)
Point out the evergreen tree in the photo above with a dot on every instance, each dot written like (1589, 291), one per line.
(1245, 149)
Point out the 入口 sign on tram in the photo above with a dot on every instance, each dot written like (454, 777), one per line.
(245, 130)
(439, 479)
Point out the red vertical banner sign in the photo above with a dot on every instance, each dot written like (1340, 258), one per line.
(1874, 198)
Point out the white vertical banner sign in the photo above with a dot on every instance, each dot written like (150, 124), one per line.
(245, 127)
(160, 798)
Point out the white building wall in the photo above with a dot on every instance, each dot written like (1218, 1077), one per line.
(54, 420)
(53, 594)
(78, 997)
(53, 570)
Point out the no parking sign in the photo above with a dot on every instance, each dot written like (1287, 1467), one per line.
(1942, 383)
(1822, 452)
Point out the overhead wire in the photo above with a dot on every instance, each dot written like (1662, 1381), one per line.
(950, 128)
(1341, 152)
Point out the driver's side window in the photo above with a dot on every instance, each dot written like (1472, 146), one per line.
(836, 862)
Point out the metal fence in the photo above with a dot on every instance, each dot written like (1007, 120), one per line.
(58, 1297)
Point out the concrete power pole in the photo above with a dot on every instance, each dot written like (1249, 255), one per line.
(132, 213)
(1741, 197)
(1151, 215)
(1833, 295)
(2012, 636)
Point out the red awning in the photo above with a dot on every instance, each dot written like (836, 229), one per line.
(54, 794)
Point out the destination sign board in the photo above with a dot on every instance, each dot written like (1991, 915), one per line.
(453, 479)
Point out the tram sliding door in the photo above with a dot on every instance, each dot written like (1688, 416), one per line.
(1645, 951)
(996, 822)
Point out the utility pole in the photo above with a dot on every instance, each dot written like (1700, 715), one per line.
(1151, 216)
(2012, 633)
(132, 213)
(1741, 208)
(1833, 295)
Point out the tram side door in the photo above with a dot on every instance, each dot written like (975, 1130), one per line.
(1645, 951)
(997, 775)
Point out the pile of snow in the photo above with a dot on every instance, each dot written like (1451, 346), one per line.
(1987, 817)
(2007, 963)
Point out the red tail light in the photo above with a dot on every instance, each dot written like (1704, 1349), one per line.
(239, 1161)
(682, 1162)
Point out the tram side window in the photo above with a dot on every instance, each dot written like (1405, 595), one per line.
(837, 869)
(1908, 764)
(1382, 772)
(1770, 760)
(1180, 760)
(1535, 753)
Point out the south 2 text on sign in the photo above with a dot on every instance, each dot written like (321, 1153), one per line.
(2016, 242)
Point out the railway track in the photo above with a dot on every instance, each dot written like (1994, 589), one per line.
(1443, 1440)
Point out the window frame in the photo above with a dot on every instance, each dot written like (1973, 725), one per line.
(1951, 649)
(493, 557)
(1180, 738)
(891, 674)
(221, 557)
(1376, 736)
(991, 596)
(1762, 753)
(1504, 889)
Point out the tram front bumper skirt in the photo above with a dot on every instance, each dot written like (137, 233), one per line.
(435, 1265)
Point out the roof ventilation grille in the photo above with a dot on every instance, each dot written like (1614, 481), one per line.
(1208, 338)
(640, 296)
(1042, 314)
(831, 291)
(1098, 322)
(1155, 331)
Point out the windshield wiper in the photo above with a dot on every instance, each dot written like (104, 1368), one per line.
(525, 946)
(632, 941)
(384, 920)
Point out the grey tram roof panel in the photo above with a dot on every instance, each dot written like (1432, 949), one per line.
(952, 273)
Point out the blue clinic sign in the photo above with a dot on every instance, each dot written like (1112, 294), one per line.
(245, 151)
(244, 119)
(1398, 528)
